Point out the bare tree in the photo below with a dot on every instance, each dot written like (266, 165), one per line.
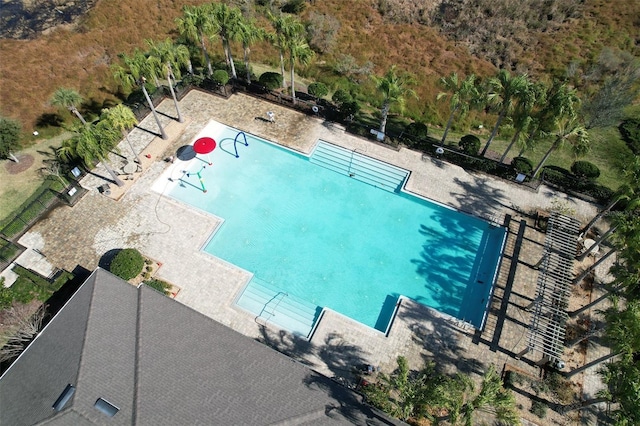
(23, 326)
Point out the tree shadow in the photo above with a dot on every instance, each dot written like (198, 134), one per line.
(340, 357)
(49, 120)
(440, 338)
(479, 198)
(107, 258)
(347, 404)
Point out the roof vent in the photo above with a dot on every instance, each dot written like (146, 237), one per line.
(106, 407)
(64, 397)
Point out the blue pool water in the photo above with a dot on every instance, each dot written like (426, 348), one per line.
(335, 242)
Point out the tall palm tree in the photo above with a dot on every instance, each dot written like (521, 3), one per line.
(533, 96)
(629, 192)
(69, 99)
(300, 52)
(170, 57)
(121, 118)
(90, 144)
(225, 21)
(249, 33)
(504, 92)
(492, 398)
(560, 102)
(195, 24)
(138, 68)
(286, 28)
(394, 88)
(568, 131)
(463, 94)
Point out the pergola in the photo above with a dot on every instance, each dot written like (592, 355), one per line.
(549, 307)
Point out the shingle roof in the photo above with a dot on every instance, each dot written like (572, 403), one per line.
(160, 362)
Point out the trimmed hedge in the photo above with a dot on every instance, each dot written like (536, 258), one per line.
(128, 263)
(470, 144)
(271, 80)
(522, 165)
(630, 132)
(417, 130)
(220, 76)
(319, 90)
(159, 285)
(585, 170)
(341, 96)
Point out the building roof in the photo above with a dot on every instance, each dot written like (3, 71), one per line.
(159, 362)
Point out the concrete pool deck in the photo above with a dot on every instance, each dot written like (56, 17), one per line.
(173, 234)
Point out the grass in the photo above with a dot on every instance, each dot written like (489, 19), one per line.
(17, 188)
(608, 151)
(29, 286)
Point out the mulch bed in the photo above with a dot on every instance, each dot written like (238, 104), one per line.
(25, 161)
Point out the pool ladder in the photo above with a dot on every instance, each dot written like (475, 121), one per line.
(276, 299)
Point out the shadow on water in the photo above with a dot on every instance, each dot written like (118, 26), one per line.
(449, 261)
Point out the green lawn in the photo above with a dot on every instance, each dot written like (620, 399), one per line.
(608, 152)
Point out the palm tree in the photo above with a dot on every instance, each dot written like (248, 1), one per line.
(138, 67)
(463, 94)
(286, 28)
(560, 101)
(299, 51)
(121, 117)
(69, 99)
(629, 192)
(568, 131)
(90, 144)
(394, 88)
(195, 24)
(225, 22)
(533, 96)
(492, 398)
(248, 33)
(504, 94)
(170, 57)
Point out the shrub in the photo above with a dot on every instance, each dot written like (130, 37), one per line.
(539, 409)
(522, 165)
(220, 76)
(319, 90)
(470, 144)
(9, 136)
(417, 130)
(271, 80)
(558, 176)
(341, 96)
(601, 193)
(630, 132)
(349, 109)
(294, 6)
(585, 170)
(128, 263)
(162, 286)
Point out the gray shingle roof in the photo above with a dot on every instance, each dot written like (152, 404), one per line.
(160, 362)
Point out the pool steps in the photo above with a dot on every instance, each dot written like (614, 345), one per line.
(271, 305)
(356, 164)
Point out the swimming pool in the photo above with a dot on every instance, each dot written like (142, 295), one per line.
(329, 240)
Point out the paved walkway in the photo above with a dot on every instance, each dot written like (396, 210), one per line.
(169, 232)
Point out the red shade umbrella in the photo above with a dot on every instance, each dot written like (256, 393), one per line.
(204, 146)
